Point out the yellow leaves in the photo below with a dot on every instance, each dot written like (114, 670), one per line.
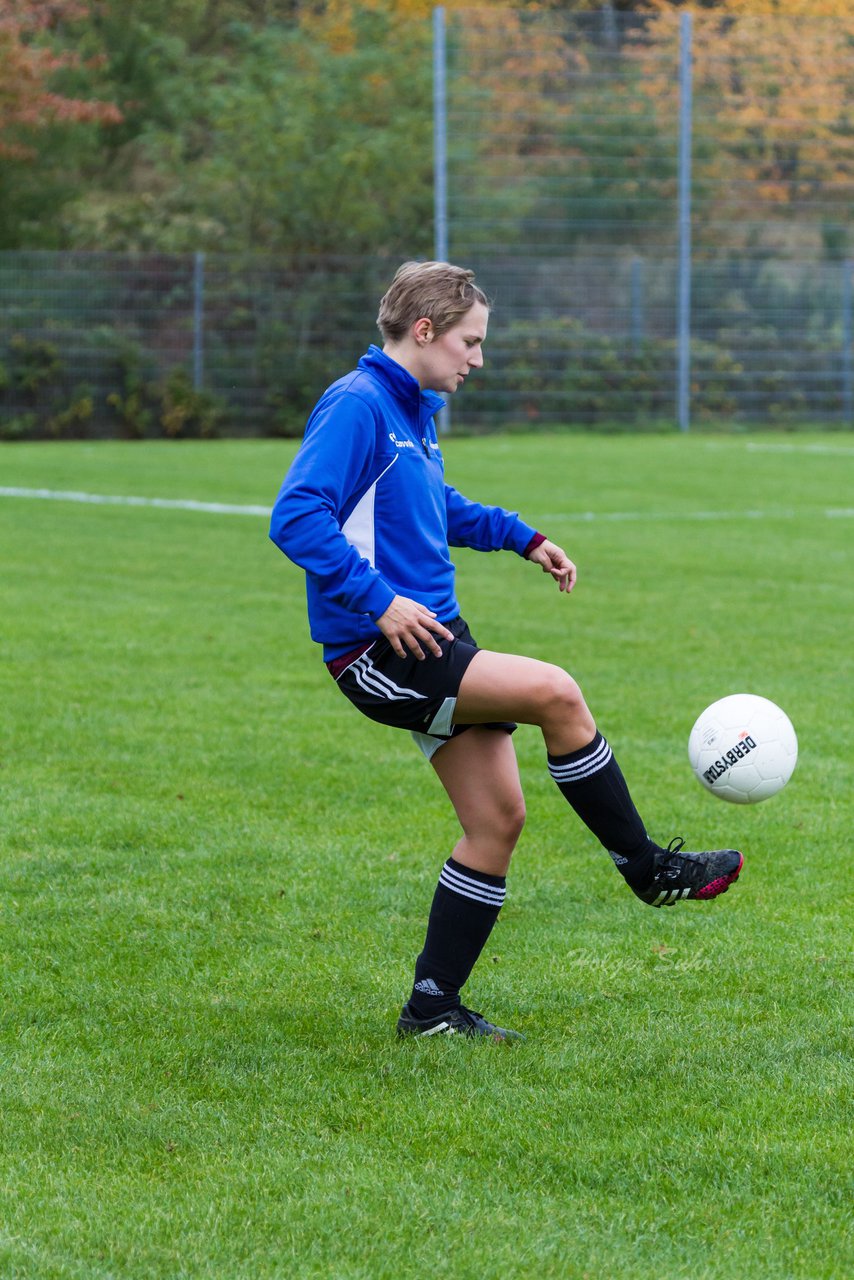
(771, 193)
(335, 23)
(805, 9)
(773, 96)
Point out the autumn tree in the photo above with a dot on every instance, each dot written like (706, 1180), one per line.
(773, 121)
(46, 115)
(291, 137)
(29, 67)
(286, 126)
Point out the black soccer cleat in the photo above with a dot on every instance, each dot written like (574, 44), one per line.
(460, 1021)
(681, 875)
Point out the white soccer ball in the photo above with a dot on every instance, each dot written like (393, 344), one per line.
(743, 748)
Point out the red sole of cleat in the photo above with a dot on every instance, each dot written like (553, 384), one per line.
(719, 886)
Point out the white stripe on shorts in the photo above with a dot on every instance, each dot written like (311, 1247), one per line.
(577, 770)
(490, 895)
(373, 681)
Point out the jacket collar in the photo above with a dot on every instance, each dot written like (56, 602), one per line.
(401, 383)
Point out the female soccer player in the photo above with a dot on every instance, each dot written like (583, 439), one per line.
(366, 512)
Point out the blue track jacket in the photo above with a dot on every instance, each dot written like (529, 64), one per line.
(365, 511)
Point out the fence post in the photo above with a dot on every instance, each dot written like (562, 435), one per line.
(847, 382)
(683, 335)
(440, 136)
(636, 303)
(198, 320)
(609, 24)
(440, 158)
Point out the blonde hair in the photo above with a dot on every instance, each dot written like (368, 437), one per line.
(438, 290)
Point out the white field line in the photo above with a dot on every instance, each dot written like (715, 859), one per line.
(232, 509)
(835, 450)
(642, 517)
(772, 446)
(114, 500)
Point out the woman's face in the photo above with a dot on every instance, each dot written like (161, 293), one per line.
(447, 360)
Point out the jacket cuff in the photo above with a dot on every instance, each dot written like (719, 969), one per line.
(537, 540)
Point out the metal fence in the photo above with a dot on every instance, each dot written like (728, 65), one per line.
(565, 130)
(659, 206)
(662, 205)
(176, 344)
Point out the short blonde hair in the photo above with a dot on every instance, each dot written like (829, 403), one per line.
(438, 290)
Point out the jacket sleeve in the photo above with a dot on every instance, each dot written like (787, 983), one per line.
(332, 467)
(484, 528)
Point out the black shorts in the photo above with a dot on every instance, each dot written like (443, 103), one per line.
(415, 694)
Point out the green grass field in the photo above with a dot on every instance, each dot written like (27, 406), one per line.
(215, 878)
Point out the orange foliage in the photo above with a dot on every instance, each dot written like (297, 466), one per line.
(26, 68)
(335, 21)
(804, 9)
(773, 101)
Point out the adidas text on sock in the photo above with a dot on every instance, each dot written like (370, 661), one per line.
(464, 909)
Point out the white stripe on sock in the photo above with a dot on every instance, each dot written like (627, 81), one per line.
(582, 762)
(576, 770)
(492, 895)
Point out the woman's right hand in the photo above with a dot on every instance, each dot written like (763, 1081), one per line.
(406, 624)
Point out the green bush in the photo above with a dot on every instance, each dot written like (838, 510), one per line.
(185, 411)
(75, 419)
(31, 386)
(132, 370)
(557, 370)
(36, 364)
(126, 396)
(18, 426)
(541, 372)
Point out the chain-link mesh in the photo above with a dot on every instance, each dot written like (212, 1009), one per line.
(155, 344)
(564, 195)
(563, 132)
(563, 182)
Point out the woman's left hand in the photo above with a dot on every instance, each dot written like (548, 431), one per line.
(554, 560)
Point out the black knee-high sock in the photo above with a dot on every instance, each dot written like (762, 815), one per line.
(465, 907)
(592, 782)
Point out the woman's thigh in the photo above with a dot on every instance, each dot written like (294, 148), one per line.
(507, 686)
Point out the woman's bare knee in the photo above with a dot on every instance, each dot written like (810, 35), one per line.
(497, 824)
(488, 842)
(513, 821)
(560, 695)
(566, 721)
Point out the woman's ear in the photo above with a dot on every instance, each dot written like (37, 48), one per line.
(423, 331)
